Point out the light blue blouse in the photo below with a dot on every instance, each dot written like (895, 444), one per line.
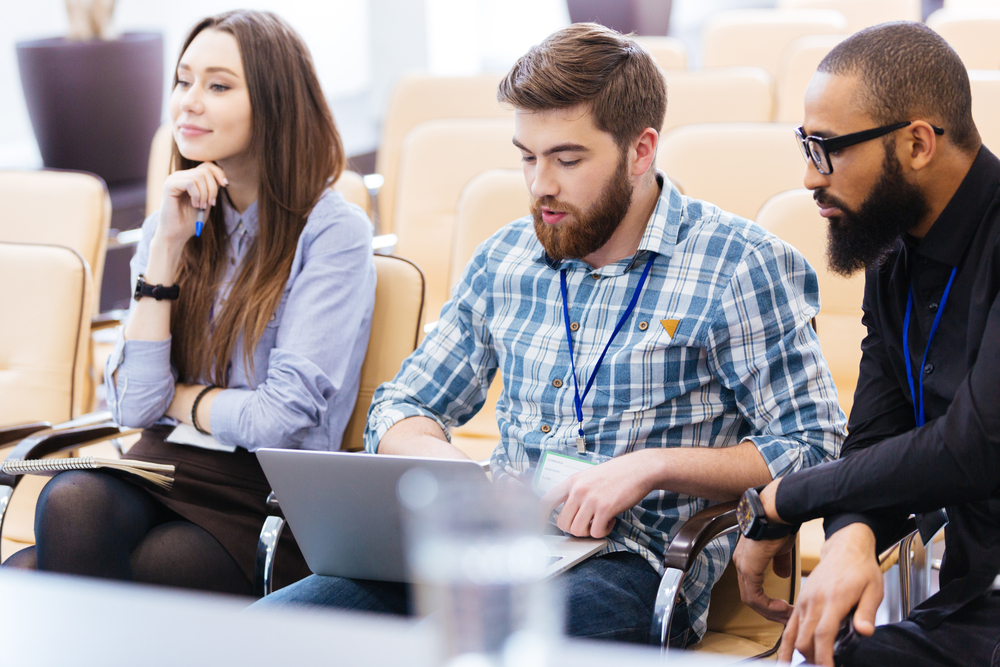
(307, 365)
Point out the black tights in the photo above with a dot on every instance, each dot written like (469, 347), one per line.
(95, 524)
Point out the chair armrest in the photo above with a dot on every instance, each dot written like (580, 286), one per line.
(689, 542)
(697, 532)
(11, 434)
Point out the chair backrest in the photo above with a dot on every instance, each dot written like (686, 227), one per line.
(736, 166)
(437, 159)
(67, 208)
(350, 184)
(668, 52)
(986, 105)
(795, 70)
(862, 14)
(972, 32)
(794, 218)
(757, 37)
(720, 95)
(47, 303)
(399, 295)
(418, 98)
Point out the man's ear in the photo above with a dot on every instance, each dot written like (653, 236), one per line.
(645, 151)
(919, 145)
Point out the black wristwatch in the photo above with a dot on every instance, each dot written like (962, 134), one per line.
(753, 520)
(158, 292)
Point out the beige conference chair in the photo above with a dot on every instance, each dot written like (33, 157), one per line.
(47, 305)
(415, 99)
(796, 68)
(399, 294)
(719, 95)
(986, 105)
(66, 208)
(669, 53)
(972, 33)
(793, 217)
(863, 13)
(736, 166)
(437, 159)
(757, 37)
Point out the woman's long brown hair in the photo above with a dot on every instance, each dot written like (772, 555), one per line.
(299, 153)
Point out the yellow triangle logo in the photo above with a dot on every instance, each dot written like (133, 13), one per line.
(670, 326)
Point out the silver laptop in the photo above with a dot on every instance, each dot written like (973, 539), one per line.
(343, 510)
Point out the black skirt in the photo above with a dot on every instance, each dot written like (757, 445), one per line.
(224, 493)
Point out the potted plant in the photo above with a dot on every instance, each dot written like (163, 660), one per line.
(94, 97)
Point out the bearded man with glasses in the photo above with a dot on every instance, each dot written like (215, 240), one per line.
(912, 196)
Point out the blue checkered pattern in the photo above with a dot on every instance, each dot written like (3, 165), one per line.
(742, 364)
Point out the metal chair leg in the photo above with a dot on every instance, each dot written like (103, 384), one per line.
(266, 548)
(663, 610)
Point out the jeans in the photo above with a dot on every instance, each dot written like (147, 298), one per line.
(969, 636)
(607, 597)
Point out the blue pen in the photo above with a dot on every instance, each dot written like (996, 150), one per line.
(200, 222)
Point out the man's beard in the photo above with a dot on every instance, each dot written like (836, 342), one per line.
(863, 238)
(590, 229)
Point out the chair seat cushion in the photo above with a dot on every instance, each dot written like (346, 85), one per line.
(717, 642)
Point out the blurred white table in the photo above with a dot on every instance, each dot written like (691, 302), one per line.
(48, 619)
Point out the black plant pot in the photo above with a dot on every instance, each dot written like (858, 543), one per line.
(643, 17)
(95, 105)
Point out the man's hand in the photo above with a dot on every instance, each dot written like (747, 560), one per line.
(594, 497)
(847, 576)
(751, 559)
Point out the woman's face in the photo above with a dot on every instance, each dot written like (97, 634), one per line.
(210, 105)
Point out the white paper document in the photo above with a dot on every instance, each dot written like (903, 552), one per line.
(189, 435)
(554, 468)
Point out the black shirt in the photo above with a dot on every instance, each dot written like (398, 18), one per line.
(889, 467)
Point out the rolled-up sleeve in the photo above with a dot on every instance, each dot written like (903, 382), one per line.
(138, 375)
(320, 342)
(766, 352)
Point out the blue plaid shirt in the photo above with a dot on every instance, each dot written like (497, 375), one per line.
(718, 350)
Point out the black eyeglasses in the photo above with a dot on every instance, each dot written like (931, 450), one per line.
(818, 149)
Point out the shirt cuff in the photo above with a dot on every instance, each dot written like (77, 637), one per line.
(384, 416)
(224, 419)
(143, 360)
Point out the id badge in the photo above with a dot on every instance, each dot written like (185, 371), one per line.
(560, 463)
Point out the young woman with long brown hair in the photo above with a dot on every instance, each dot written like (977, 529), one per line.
(261, 342)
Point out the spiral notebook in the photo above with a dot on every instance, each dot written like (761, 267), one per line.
(157, 473)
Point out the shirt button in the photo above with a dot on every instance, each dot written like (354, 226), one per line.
(557, 383)
(575, 326)
(932, 307)
(643, 326)
(546, 428)
(595, 276)
(928, 369)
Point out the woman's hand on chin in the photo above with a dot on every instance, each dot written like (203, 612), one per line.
(184, 194)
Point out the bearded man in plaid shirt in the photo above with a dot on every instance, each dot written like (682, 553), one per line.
(654, 335)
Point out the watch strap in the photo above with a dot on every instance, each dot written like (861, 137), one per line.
(158, 292)
(753, 519)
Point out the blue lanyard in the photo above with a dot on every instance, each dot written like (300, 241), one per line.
(578, 398)
(918, 402)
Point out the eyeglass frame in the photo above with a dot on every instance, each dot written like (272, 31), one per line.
(833, 144)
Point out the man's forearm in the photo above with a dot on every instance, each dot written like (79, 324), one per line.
(418, 436)
(703, 472)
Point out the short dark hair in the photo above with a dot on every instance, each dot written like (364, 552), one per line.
(587, 63)
(908, 71)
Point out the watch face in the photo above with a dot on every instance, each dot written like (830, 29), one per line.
(744, 515)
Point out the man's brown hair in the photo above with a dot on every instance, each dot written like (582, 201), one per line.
(589, 64)
(908, 71)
